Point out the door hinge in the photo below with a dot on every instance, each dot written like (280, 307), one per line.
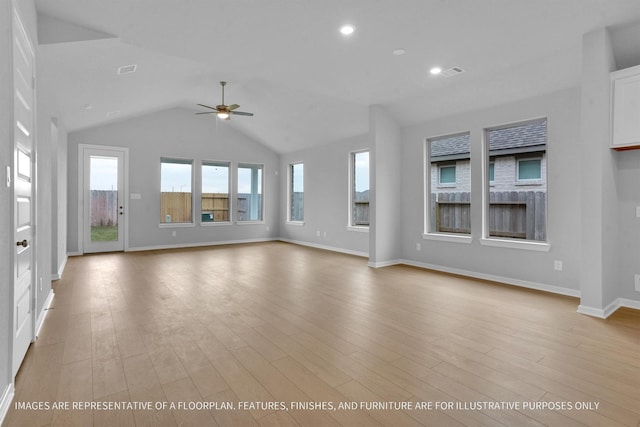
(9, 176)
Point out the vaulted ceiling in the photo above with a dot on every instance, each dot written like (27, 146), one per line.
(307, 84)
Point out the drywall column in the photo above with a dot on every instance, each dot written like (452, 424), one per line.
(386, 184)
(597, 289)
(6, 153)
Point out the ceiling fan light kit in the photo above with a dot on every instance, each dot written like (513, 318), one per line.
(222, 110)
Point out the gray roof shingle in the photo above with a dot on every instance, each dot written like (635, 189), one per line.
(526, 136)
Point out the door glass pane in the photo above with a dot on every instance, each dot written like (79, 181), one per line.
(103, 193)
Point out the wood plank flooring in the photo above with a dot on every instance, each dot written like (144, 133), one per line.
(287, 329)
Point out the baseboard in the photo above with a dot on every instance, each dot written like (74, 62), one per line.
(43, 313)
(5, 401)
(629, 303)
(603, 313)
(499, 279)
(385, 263)
(197, 245)
(58, 275)
(74, 254)
(326, 248)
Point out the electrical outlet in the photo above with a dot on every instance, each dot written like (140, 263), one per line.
(418, 246)
(317, 233)
(557, 265)
(637, 279)
(174, 233)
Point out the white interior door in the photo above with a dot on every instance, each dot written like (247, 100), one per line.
(104, 201)
(23, 191)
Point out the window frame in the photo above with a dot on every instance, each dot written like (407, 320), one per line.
(428, 166)
(230, 203)
(257, 166)
(533, 181)
(178, 160)
(352, 190)
(487, 158)
(447, 165)
(290, 187)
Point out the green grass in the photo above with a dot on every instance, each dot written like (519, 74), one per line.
(104, 233)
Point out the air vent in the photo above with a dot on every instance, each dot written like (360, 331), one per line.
(126, 69)
(453, 71)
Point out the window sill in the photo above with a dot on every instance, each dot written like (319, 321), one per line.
(215, 223)
(448, 237)
(514, 244)
(359, 229)
(536, 182)
(176, 225)
(296, 223)
(250, 222)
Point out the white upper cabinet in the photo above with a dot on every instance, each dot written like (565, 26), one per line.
(625, 108)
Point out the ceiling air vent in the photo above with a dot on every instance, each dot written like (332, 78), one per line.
(126, 69)
(453, 71)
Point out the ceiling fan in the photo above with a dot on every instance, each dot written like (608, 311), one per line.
(224, 111)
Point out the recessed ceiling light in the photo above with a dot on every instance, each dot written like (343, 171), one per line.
(126, 69)
(435, 71)
(347, 29)
(88, 106)
(399, 51)
(113, 113)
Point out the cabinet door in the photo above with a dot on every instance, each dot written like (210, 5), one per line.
(626, 112)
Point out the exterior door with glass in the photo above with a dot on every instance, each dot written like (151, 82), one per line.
(104, 200)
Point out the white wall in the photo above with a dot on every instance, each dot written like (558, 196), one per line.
(326, 197)
(175, 133)
(563, 221)
(386, 179)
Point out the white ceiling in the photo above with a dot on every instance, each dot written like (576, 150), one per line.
(286, 62)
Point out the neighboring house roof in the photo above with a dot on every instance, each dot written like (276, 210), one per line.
(526, 138)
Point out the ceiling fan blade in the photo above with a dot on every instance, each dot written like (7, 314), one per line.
(241, 113)
(206, 106)
(208, 112)
(233, 106)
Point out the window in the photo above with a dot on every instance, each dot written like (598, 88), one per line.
(250, 203)
(296, 192)
(215, 192)
(359, 206)
(447, 175)
(517, 200)
(529, 170)
(448, 185)
(176, 197)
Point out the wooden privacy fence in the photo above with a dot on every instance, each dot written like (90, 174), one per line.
(104, 208)
(175, 207)
(215, 207)
(515, 214)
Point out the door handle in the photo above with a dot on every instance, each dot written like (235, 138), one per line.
(24, 243)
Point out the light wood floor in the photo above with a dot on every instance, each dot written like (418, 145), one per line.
(278, 323)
